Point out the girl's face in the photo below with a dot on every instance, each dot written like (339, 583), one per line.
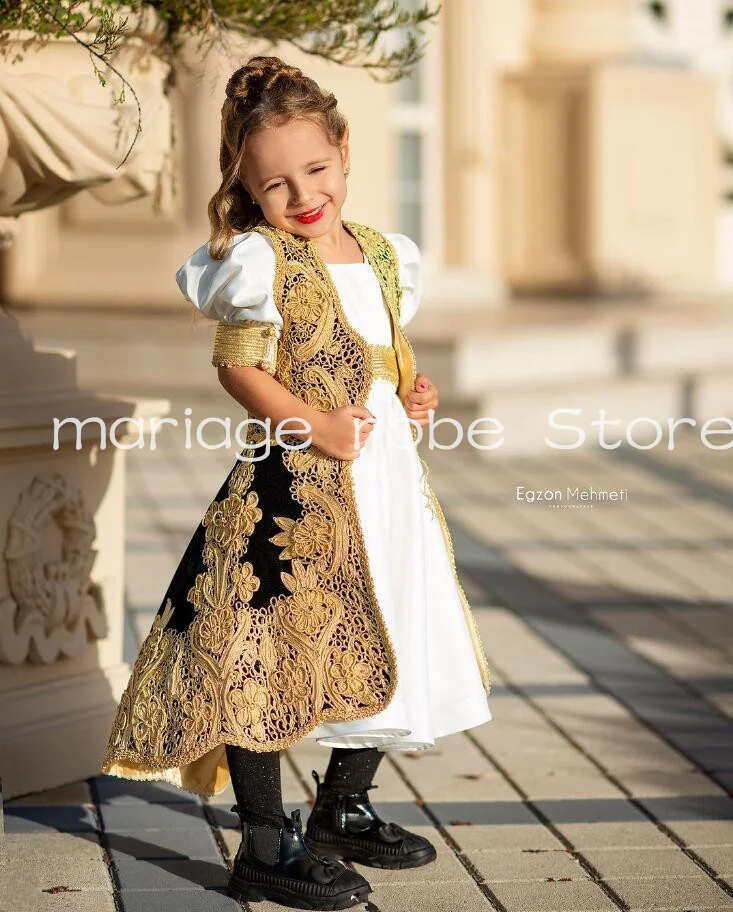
(292, 170)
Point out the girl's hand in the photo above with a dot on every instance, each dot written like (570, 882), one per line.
(336, 431)
(422, 398)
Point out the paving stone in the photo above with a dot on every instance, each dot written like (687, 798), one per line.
(459, 813)
(181, 901)
(171, 874)
(141, 623)
(178, 843)
(670, 892)
(117, 790)
(37, 901)
(455, 770)
(600, 810)
(725, 779)
(685, 808)
(550, 647)
(638, 862)
(74, 872)
(614, 835)
(487, 837)
(33, 846)
(62, 818)
(580, 895)
(719, 858)
(74, 793)
(502, 866)
(704, 832)
(117, 818)
(439, 897)
(559, 783)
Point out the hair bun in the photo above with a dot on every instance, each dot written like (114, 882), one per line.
(257, 75)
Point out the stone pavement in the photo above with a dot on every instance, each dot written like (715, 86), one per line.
(604, 780)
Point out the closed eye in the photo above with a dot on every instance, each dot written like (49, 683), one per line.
(273, 186)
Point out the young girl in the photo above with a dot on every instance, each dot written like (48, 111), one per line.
(318, 597)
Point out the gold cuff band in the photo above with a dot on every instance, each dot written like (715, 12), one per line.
(250, 343)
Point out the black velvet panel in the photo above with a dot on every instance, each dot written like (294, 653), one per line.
(271, 482)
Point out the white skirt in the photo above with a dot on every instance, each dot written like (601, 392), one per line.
(439, 685)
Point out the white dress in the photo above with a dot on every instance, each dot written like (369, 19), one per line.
(439, 688)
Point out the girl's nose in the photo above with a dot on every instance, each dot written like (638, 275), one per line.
(300, 196)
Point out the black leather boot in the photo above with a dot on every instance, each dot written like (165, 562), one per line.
(275, 863)
(348, 827)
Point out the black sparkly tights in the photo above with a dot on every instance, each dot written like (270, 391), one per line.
(256, 778)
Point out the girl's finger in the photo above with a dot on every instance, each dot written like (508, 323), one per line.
(421, 398)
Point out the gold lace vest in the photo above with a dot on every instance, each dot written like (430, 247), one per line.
(225, 666)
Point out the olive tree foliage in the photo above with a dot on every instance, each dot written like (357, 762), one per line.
(346, 32)
(352, 33)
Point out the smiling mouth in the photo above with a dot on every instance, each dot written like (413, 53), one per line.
(309, 212)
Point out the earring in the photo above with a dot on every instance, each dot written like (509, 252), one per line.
(346, 172)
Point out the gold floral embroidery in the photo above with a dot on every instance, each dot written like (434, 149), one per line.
(307, 537)
(149, 717)
(213, 629)
(309, 606)
(304, 304)
(294, 680)
(229, 519)
(350, 675)
(249, 706)
(196, 712)
(245, 582)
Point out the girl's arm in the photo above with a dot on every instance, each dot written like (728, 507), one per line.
(264, 397)
(336, 432)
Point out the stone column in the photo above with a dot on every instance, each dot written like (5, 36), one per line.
(480, 38)
(612, 163)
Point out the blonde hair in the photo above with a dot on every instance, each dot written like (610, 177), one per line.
(264, 92)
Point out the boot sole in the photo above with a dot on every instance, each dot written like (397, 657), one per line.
(367, 857)
(246, 891)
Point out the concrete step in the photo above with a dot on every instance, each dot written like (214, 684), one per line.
(470, 358)
(638, 405)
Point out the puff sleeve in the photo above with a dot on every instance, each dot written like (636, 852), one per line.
(410, 274)
(237, 293)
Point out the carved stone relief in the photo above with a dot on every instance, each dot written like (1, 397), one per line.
(54, 608)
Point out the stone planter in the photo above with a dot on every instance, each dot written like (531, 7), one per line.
(62, 504)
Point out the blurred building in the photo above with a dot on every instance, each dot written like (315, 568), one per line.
(541, 145)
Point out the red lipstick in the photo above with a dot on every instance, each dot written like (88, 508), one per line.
(310, 217)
